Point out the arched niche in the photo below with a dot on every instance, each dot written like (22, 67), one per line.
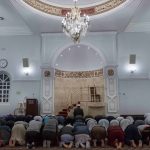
(86, 63)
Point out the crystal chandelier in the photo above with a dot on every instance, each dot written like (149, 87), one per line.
(74, 25)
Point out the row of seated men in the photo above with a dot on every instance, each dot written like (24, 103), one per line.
(77, 132)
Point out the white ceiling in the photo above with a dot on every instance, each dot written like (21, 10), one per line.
(13, 23)
(70, 2)
(133, 16)
(38, 22)
(140, 22)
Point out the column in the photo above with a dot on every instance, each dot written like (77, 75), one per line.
(47, 105)
(111, 84)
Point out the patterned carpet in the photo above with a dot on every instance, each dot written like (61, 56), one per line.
(56, 148)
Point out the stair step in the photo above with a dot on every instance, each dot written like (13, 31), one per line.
(65, 109)
(62, 112)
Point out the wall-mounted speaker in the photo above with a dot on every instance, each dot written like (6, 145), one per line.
(25, 62)
(132, 59)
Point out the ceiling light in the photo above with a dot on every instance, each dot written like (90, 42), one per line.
(132, 68)
(27, 70)
(74, 25)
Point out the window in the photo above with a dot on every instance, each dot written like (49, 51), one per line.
(4, 87)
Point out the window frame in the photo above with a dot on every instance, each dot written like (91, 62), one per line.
(5, 85)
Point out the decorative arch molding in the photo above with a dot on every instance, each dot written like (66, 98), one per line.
(59, 51)
(53, 9)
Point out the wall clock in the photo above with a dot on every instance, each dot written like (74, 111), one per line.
(3, 63)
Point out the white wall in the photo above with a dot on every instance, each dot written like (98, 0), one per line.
(134, 43)
(14, 48)
(19, 90)
(18, 47)
(134, 96)
(134, 88)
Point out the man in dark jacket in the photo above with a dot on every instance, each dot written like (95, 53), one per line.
(78, 111)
